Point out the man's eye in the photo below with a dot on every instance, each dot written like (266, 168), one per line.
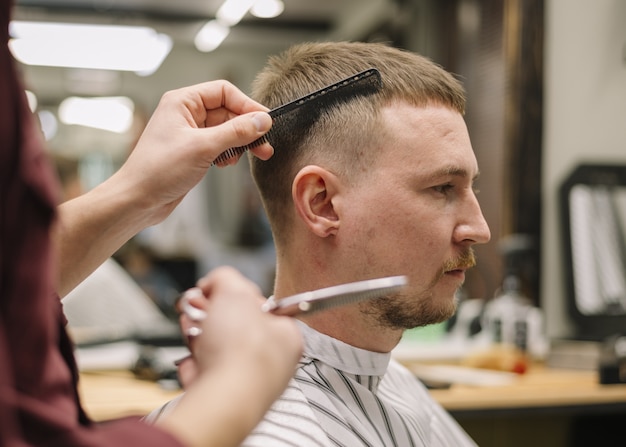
(443, 189)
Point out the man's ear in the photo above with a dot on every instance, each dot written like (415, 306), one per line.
(313, 190)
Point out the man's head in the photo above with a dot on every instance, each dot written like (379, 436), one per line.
(348, 135)
(378, 186)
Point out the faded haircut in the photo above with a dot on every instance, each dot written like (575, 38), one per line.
(346, 138)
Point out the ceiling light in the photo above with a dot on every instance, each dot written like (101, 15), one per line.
(232, 11)
(213, 33)
(210, 36)
(267, 9)
(107, 47)
(114, 114)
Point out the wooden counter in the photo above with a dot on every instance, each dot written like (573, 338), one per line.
(117, 393)
(112, 394)
(538, 388)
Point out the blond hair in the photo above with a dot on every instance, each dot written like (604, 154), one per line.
(346, 138)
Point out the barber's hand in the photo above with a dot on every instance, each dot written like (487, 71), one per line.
(237, 333)
(188, 130)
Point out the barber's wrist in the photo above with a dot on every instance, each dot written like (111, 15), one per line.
(137, 207)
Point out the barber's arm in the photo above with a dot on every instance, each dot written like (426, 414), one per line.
(188, 130)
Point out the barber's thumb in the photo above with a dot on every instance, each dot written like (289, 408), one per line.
(248, 127)
(239, 131)
(261, 120)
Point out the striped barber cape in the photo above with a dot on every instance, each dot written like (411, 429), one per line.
(345, 396)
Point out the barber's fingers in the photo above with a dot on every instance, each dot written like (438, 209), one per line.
(231, 118)
(228, 280)
(193, 304)
(222, 94)
(213, 117)
(239, 131)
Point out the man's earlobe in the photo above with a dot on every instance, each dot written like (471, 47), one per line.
(313, 191)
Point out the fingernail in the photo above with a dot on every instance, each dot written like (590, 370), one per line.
(193, 331)
(260, 121)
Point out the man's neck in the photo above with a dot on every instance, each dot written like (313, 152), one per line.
(345, 323)
(350, 326)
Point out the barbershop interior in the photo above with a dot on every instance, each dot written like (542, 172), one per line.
(536, 351)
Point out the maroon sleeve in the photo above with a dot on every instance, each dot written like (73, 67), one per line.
(39, 402)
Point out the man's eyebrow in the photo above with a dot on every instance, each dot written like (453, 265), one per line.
(454, 171)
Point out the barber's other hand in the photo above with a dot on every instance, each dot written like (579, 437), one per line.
(190, 127)
(237, 333)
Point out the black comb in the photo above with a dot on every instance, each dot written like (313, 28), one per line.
(364, 83)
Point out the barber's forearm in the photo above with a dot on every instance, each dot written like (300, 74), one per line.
(93, 226)
(221, 408)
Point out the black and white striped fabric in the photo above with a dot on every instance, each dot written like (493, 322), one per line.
(345, 396)
(349, 397)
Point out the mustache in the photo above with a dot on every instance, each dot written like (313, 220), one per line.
(465, 260)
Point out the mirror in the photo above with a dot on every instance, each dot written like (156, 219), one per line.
(593, 200)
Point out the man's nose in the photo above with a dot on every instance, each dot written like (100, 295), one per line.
(473, 228)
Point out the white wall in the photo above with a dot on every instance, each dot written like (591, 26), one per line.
(584, 116)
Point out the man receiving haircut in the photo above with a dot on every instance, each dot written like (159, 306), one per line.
(381, 185)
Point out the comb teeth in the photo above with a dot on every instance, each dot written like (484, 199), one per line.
(364, 83)
(235, 151)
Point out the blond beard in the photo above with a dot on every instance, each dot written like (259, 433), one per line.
(402, 311)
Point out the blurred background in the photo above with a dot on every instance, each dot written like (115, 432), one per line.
(546, 84)
(546, 81)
